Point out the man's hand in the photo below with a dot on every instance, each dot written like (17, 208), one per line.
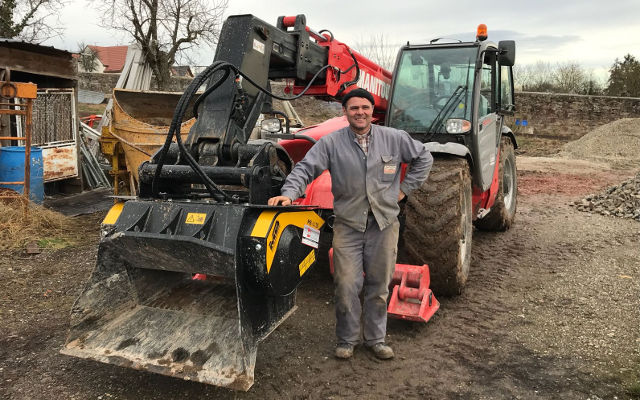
(401, 196)
(279, 200)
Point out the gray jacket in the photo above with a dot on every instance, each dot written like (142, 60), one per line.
(360, 183)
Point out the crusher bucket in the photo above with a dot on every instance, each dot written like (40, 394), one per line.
(146, 305)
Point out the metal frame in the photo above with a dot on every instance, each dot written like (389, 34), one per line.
(71, 92)
(27, 92)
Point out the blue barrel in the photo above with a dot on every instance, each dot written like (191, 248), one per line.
(12, 170)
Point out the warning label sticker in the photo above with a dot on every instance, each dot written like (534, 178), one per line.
(195, 218)
(310, 236)
(307, 262)
(258, 46)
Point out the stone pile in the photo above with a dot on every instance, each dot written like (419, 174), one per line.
(622, 200)
(616, 143)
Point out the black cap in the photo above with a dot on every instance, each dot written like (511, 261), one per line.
(359, 92)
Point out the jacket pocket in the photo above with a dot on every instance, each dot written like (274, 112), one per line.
(389, 168)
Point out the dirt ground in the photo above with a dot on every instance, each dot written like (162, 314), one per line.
(551, 310)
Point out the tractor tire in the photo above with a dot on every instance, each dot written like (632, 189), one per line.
(438, 226)
(503, 212)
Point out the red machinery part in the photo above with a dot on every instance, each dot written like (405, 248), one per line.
(411, 298)
(298, 148)
(487, 198)
(372, 77)
(342, 58)
(91, 119)
(289, 21)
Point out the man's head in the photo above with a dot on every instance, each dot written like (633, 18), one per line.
(357, 106)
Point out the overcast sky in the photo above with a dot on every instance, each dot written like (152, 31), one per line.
(591, 32)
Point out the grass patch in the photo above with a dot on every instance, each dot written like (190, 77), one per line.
(54, 243)
(90, 109)
(633, 390)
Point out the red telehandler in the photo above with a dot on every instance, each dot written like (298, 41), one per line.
(201, 209)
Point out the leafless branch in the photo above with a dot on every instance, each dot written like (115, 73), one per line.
(30, 20)
(165, 28)
(378, 49)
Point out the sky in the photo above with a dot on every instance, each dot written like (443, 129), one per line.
(592, 33)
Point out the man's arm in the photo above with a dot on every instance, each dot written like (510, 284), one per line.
(420, 161)
(310, 167)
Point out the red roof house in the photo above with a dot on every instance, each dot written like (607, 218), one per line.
(112, 57)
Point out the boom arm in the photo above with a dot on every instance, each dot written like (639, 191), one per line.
(250, 52)
(366, 74)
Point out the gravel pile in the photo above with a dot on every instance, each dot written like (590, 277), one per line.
(616, 143)
(621, 200)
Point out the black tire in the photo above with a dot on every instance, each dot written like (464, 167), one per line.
(438, 226)
(503, 213)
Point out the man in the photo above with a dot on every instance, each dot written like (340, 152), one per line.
(364, 161)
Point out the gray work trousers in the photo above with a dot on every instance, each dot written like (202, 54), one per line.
(373, 252)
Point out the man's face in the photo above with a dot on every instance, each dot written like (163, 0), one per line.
(358, 111)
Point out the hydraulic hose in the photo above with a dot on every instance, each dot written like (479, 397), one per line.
(181, 107)
(174, 129)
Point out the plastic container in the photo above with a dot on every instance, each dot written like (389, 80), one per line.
(12, 170)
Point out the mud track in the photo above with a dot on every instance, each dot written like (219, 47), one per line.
(551, 310)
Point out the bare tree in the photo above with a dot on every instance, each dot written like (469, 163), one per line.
(569, 78)
(165, 28)
(378, 49)
(542, 77)
(30, 20)
(522, 76)
(87, 57)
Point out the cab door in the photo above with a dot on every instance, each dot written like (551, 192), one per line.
(487, 121)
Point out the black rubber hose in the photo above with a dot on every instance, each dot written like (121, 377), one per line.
(177, 121)
(174, 129)
(230, 67)
(345, 85)
(213, 189)
(329, 32)
(210, 89)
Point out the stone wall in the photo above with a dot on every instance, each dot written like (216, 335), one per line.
(563, 116)
(106, 82)
(568, 116)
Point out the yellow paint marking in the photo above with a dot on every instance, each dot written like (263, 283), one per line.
(306, 263)
(113, 214)
(195, 218)
(282, 221)
(261, 228)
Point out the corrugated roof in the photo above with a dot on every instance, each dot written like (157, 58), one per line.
(112, 57)
(36, 48)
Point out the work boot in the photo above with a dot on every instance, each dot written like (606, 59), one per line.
(382, 351)
(344, 351)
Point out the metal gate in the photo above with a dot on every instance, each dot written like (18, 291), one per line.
(54, 130)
